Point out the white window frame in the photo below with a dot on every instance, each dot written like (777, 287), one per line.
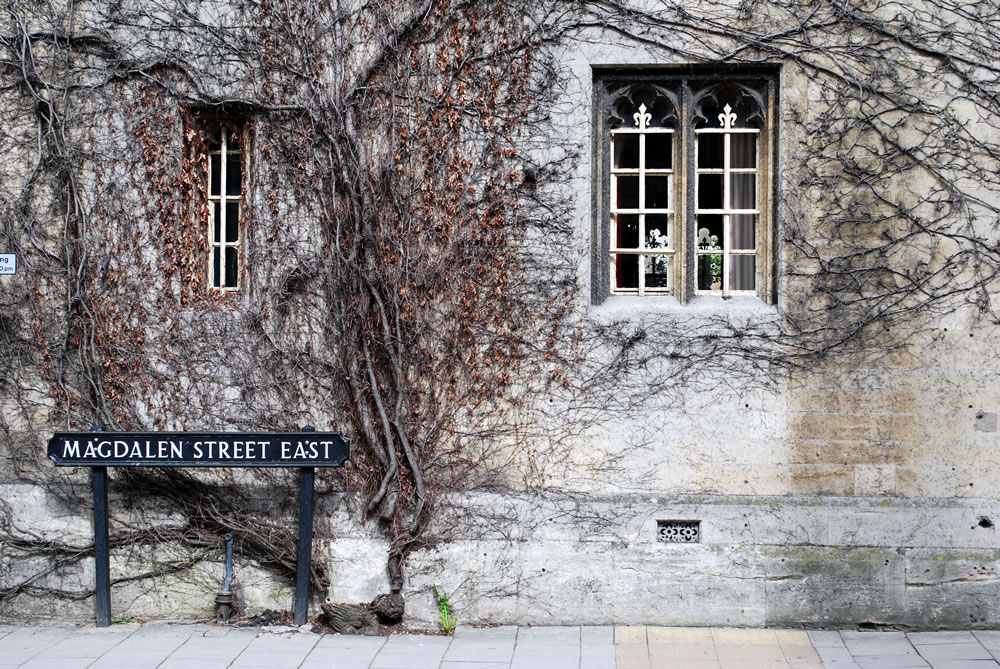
(642, 130)
(221, 224)
(727, 129)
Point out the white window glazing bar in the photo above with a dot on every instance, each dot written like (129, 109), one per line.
(641, 211)
(220, 242)
(727, 211)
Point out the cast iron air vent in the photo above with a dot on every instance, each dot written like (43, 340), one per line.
(678, 531)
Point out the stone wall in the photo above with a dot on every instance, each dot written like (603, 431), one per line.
(853, 484)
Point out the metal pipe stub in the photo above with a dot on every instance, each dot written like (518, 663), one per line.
(223, 607)
(224, 598)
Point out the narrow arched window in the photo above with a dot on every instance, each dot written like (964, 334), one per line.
(216, 146)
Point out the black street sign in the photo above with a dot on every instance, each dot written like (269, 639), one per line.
(198, 449)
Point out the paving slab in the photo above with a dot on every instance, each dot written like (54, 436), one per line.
(499, 632)
(207, 630)
(226, 647)
(955, 651)
(880, 646)
(600, 636)
(142, 651)
(272, 660)
(148, 644)
(928, 638)
(965, 664)
(487, 644)
(690, 664)
(83, 645)
(553, 658)
(25, 643)
(751, 656)
(800, 655)
(341, 658)
(840, 658)
(549, 636)
(868, 634)
(670, 635)
(190, 663)
(631, 655)
(276, 651)
(411, 651)
(891, 662)
(630, 634)
(57, 663)
(535, 652)
(597, 656)
(735, 636)
(989, 638)
(825, 639)
(684, 650)
(792, 637)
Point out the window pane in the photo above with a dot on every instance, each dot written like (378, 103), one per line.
(744, 191)
(213, 138)
(657, 271)
(216, 270)
(744, 231)
(216, 223)
(232, 266)
(658, 231)
(710, 148)
(742, 274)
(628, 231)
(215, 173)
(709, 191)
(710, 272)
(232, 221)
(626, 151)
(626, 271)
(744, 148)
(628, 192)
(234, 174)
(709, 232)
(659, 151)
(658, 192)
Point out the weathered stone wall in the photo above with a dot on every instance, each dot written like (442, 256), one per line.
(845, 487)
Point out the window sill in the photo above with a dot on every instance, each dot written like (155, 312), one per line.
(632, 307)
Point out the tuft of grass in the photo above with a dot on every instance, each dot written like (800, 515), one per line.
(448, 619)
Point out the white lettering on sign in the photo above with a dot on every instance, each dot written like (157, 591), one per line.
(204, 449)
(303, 450)
(71, 449)
(8, 263)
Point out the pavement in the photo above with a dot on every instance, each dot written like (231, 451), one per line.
(186, 645)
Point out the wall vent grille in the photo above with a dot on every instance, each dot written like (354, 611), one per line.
(678, 531)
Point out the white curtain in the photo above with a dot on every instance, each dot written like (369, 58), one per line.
(743, 195)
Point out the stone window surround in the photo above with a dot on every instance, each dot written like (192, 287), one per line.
(685, 82)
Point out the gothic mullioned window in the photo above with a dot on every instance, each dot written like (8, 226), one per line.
(686, 201)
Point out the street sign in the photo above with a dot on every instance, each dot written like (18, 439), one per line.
(198, 449)
(99, 450)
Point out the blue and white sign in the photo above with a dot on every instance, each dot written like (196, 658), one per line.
(8, 263)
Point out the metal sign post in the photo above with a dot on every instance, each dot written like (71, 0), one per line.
(303, 562)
